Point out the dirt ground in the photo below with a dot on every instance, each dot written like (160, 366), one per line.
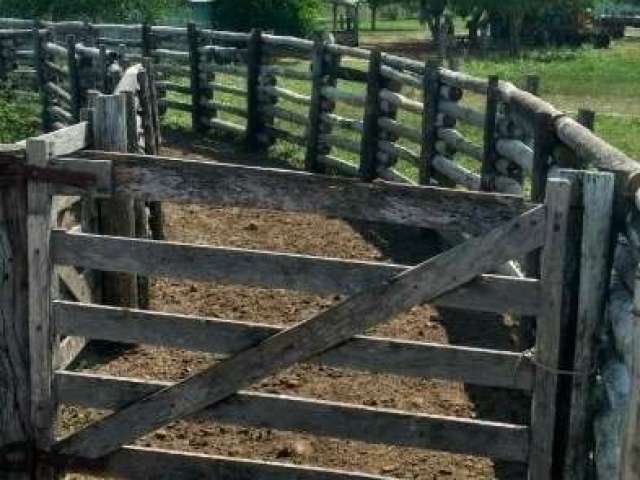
(316, 235)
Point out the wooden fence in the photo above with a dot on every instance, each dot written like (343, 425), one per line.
(364, 114)
(504, 227)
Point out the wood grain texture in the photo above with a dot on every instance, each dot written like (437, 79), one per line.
(631, 445)
(139, 462)
(41, 329)
(311, 337)
(317, 417)
(257, 268)
(381, 355)
(117, 215)
(549, 331)
(158, 178)
(595, 267)
(15, 414)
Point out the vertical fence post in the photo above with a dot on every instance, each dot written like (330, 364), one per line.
(488, 172)
(197, 87)
(311, 163)
(587, 118)
(102, 82)
(532, 84)
(254, 62)
(146, 40)
(431, 96)
(39, 55)
(595, 267)
(41, 331)
(15, 416)
(153, 102)
(74, 77)
(117, 215)
(550, 331)
(369, 144)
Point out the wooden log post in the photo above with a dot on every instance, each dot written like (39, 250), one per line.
(117, 215)
(39, 55)
(587, 118)
(489, 172)
(198, 95)
(74, 77)
(595, 267)
(153, 101)
(156, 217)
(370, 134)
(318, 70)
(431, 95)
(254, 62)
(544, 143)
(102, 80)
(532, 84)
(147, 40)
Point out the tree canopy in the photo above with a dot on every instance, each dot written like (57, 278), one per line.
(103, 10)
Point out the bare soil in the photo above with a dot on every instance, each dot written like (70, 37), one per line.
(317, 235)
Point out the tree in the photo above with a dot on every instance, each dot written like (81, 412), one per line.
(291, 17)
(373, 7)
(104, 10)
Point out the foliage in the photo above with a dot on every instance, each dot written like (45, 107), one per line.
(104, 10)
(290, 17)
(18, 120)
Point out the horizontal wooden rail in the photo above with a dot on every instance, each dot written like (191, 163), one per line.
(273, 270)
(374, 425)
(286, 72)
(166, 179)
(141, 462)
(380, 355)
(283, 114)
(454, 139)
(457, 173)
(285, 94)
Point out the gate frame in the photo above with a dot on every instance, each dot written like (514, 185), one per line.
(32, 221)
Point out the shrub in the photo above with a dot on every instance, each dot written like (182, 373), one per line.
(290, 17)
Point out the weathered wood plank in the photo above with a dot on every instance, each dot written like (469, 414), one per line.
(15, 414)
(380, 355)
(281, 412)
(549, 331)
(117, 215)
(69, 139)
(75, 282)
(68, 351)
(311, 337)
(598, 191)
(140, 462)
(41, 331)
(273, 270)
(166, 179)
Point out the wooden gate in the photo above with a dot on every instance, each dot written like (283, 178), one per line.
(503, 228)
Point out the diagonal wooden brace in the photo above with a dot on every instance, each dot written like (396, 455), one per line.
(311, 337)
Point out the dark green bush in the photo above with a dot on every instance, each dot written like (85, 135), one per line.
(290, 17)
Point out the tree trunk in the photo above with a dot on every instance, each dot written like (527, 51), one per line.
(374, 13)
(515, 27)
(473, 25)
